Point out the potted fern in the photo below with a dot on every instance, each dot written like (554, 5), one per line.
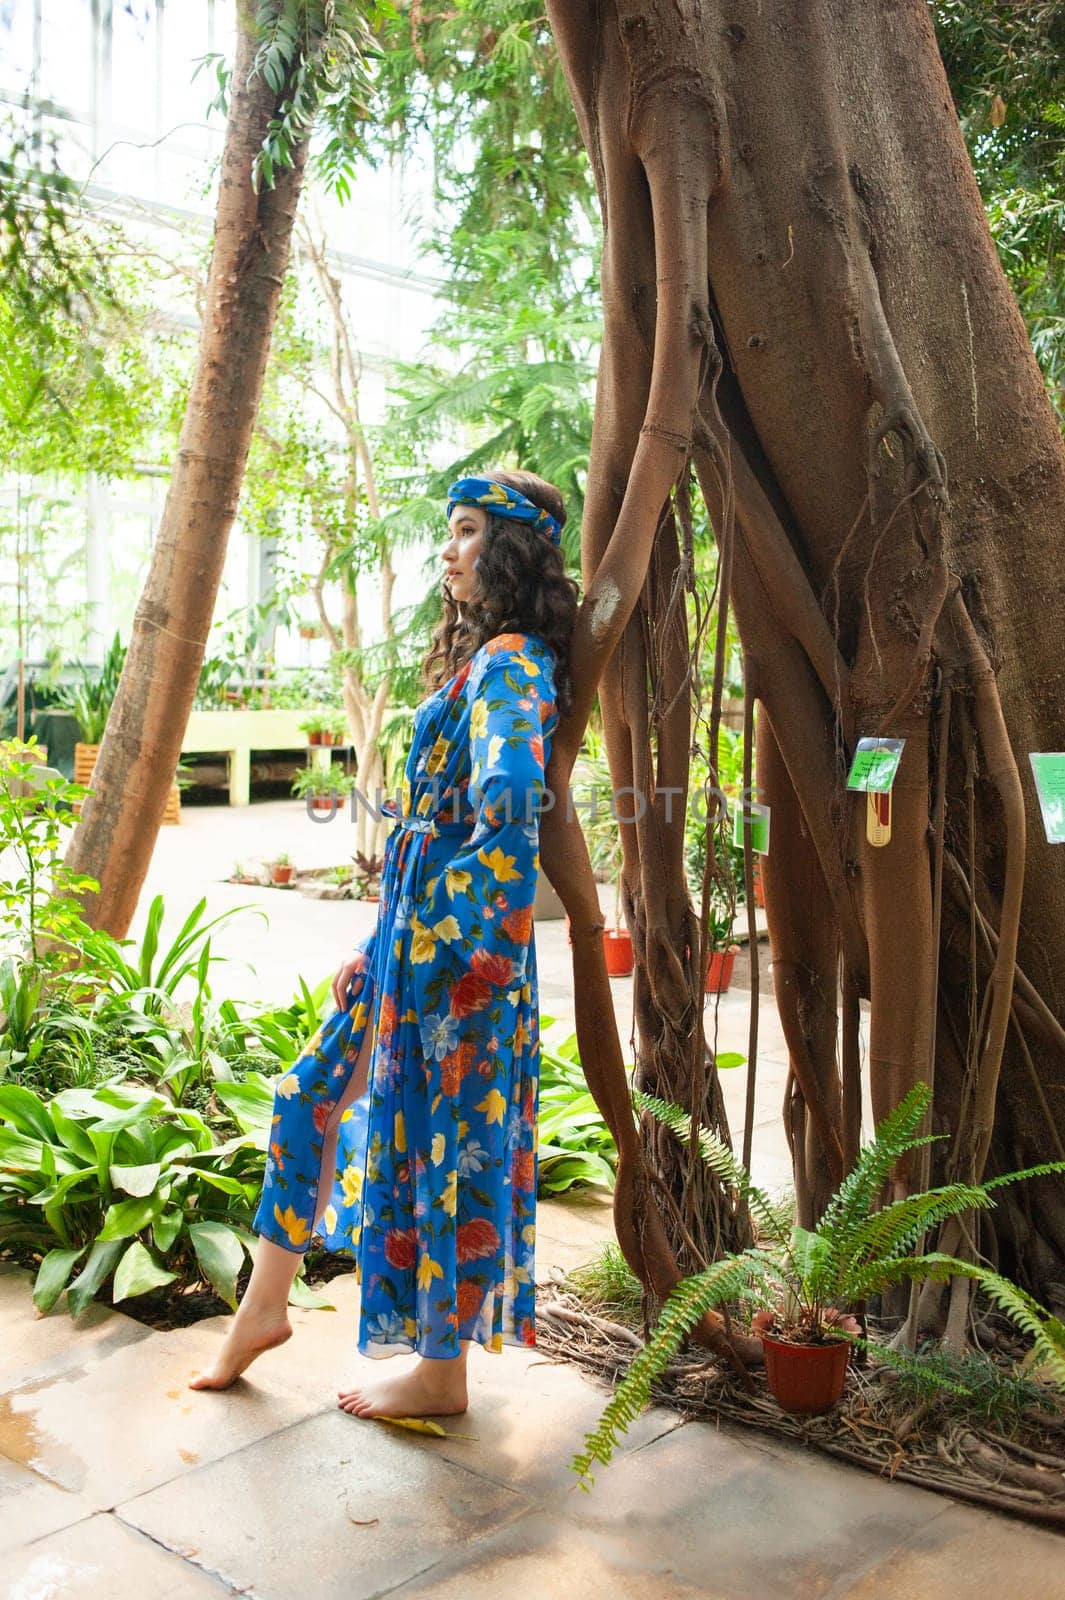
(807, 1283)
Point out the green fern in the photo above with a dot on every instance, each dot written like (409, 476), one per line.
(857, 1250)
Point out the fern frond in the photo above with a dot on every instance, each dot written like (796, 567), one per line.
(860, 1191)
(888, 1232)
(723, 1280)
(1026, 1313)
(771, 1218)
(1044, 1171)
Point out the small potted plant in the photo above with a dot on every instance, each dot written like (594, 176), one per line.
(335, 729)
(323, 789)
(312, 726)
(240, 874)
(281, 868)
(721, 957)
(808, 1284)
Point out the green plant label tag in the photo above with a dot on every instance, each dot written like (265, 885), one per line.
(875, 764)
(1049, 771)
(758, 816)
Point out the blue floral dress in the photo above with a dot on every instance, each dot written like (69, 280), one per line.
(434, 1192)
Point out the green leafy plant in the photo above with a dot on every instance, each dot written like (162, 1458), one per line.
(126, 1187)
(318, 782)
(90, 700)
(39, 912)
(575, 1144)
(806, 1279)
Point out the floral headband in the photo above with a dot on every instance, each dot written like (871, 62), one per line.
(502, 501)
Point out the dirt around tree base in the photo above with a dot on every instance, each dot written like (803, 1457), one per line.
(966, 1457)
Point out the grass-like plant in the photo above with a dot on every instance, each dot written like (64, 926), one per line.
(807, 1277)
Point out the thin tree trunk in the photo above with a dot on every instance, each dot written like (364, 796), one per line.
(141, 748)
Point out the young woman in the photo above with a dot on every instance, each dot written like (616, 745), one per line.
(405, 1133)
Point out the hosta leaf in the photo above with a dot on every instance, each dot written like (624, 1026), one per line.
(137, 1272)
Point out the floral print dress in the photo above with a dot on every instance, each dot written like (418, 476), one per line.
(434, 1192)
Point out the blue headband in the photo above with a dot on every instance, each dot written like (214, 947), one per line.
(502, 501)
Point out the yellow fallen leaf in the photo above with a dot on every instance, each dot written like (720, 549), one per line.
(417, 1425)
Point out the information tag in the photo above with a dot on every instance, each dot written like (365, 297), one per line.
(878, 818)
(1049, 772)
(758, 815)
(875, 764)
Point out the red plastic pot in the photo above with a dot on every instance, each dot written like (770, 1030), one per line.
(617, 948)
(719, 969)
(281, 874)
(805, 1379)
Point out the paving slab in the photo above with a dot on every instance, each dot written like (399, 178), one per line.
(333, 1507)
(31, 1508)
(755, 1517)
(34, 1347)
(119, 1426)
(964, 1551)
(101, 1559)
(542, 1556)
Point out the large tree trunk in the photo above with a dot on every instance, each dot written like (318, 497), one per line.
(802, 298)
(142, 744)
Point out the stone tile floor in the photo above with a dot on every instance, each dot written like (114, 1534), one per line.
(117, 1482)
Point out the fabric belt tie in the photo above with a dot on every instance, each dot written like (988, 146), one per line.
(435, 826)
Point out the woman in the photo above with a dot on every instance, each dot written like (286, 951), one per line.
(424, 1126)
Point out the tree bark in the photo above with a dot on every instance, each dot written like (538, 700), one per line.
(802, 296)
(114, 840)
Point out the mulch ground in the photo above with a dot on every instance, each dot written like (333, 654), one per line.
(1022, 1473)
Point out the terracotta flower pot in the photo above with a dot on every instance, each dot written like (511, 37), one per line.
(326, 805)
(617, 948)
(281, 874)
(315, 738)
(759, 890)
(805, 1379)
(719, 969)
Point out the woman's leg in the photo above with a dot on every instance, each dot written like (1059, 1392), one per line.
(261, 1322)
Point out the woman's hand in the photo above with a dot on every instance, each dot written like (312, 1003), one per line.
(350, 974)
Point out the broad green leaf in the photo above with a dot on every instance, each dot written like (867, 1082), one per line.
(221, 1256)
(728, 1059)
(72, 1134)
(128, 1217)
(25, 1111)
(102, 1258)
(53, 1275)
(301, 1294)
(166, 1228)
(140, 1180)
(18, 1153)
(137, 1272)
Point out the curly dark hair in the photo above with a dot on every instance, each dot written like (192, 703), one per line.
(522, 588)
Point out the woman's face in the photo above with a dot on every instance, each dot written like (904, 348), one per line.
(466, 526)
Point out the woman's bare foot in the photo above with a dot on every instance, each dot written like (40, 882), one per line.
(249, 1336)
(432, 1388)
